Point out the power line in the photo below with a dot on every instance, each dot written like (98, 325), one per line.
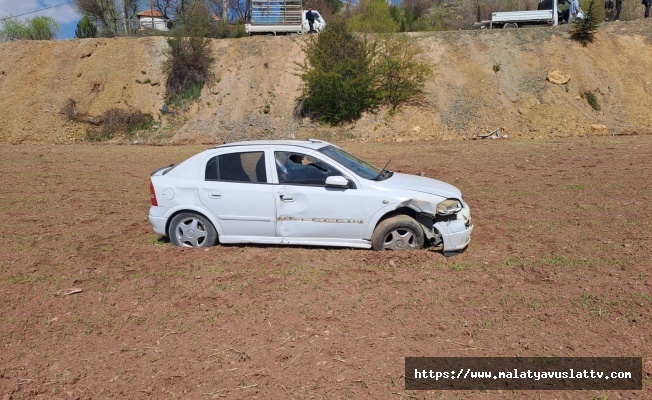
(32, 12)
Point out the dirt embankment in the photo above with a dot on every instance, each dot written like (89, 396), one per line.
(484, 80)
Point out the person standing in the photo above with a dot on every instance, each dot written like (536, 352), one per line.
(647, 4)
(311, 20)
(619, 7)
(574, 9)
(563, 9)
(608, 10)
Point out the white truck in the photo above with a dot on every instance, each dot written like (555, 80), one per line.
(275, 17)
(517, 19)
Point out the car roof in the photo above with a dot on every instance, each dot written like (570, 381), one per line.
(314, 144)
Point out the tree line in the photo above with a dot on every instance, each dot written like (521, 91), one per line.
(119, 17)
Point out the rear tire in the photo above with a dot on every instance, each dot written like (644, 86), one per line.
(397, 233)
(192, 230)
(510, 25)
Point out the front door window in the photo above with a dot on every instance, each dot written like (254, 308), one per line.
(302, 169)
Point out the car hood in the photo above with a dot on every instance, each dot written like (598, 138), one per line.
(421, 184)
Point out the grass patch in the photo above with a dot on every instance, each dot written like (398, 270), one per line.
(592, 304)
(574, 187)
(116, 121)
(190, 93)
(592, 99)
(97, 136)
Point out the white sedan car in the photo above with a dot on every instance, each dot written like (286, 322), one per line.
(303, 193)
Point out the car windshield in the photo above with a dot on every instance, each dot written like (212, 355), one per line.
(353, 163)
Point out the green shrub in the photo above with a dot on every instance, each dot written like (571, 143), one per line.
(194, 19)
(583, 29)
(116, 120)
(93, 135)
(37, 28)
(188, 55)
(400, 76)
(223, 30)
(191, 92)
(427, 23)
(187, 66)
(43, 28)
(373, 16)
(598, 11)
(13, 29)
(344, 75)
(337, 76)
(592, 99)
(85, 28)
(411, 17)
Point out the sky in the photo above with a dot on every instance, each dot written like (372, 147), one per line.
(65, 15)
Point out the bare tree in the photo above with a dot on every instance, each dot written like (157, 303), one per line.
(108, 14)
(129, 13)
(195, 18)
(238, 10)
(171, 8)
(227, 9)
(241, 9)
(104, 12)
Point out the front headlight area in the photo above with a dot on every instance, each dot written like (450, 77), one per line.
(448, 207)
(446, 223)
(453, 225)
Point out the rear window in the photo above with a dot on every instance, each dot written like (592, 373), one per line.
(237, 167)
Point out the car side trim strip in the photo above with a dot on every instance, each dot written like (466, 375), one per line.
(331, 220)
(244, 218)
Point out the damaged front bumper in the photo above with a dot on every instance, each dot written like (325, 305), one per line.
(455, 231)
(455, 235)
(451, 232)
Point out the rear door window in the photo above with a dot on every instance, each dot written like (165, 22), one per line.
(246, 167)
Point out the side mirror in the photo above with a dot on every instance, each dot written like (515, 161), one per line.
(337, 181)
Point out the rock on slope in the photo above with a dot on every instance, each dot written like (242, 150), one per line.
(484, 80)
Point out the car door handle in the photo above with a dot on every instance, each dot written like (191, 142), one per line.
(215, 195)
(287, 197)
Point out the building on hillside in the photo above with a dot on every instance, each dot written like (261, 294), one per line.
(154, 19)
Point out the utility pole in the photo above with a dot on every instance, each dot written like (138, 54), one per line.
(555, 17)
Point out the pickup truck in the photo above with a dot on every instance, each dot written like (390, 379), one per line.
(517, 19)
(274, 17)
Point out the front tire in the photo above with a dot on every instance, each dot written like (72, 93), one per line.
(397, 233)
(191, 230)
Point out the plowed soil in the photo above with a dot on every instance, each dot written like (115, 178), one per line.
(95, 305)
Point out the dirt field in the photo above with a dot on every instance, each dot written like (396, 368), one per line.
(559, 265)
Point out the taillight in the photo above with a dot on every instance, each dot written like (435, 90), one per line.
(152, 195)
